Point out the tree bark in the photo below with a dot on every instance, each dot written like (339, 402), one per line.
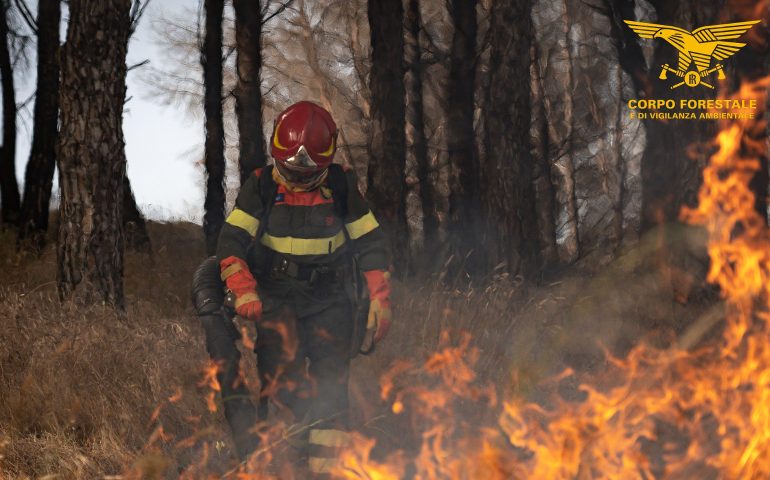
(135, 227)
(387, 144)
(248, 93)
(511, 234)
(464, 204)
(752, 65)
(541, 175)
(211, 61)
(552, 26)
(416, 144)
(92, 162)
(38, 178)
(9, 187)
(671, 168)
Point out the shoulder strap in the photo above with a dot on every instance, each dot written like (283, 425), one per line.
(268, 189)
(338, 183)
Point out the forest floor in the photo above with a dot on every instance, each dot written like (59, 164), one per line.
(83, 389)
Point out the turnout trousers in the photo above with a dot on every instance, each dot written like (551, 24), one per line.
(303, 359)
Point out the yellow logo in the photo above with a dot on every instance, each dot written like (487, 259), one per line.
(698, 46)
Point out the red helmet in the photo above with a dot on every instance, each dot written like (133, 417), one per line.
(303, 143)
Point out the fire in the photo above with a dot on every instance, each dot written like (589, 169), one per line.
(686, 411)
(658, 413)
(210, 380)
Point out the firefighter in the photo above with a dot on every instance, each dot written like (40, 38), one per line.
(293, 249)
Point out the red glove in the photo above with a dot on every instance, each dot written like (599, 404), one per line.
(380, 314)
(239, 280)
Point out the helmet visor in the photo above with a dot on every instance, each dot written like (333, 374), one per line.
(301, 178)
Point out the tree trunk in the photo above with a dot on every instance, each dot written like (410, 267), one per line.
(211, 60)
(248, 94)
(416, 144)
(752, 65)
(552, 22)
(9, 188)
(387, 157)
(671, 168)
(38, 178)
(92, 162)
(510, 234)
(541, 175)
(464, 204)
(134, 225)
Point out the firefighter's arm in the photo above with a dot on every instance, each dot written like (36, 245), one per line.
(237, 233)
(371, 249)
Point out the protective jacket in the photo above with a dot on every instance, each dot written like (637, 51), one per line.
(304, 227)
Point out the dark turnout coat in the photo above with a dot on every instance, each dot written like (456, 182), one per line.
(303, 226)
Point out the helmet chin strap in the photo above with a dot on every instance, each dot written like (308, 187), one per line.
(315, 182)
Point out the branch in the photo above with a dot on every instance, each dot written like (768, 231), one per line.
(199, 24)
(137, 10)
(138, 65)
(26, 15)
(26, 102)
(277, 11)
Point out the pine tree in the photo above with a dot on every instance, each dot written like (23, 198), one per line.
(91, 156)
(211, 61)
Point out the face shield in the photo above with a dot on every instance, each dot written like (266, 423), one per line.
(300, 170)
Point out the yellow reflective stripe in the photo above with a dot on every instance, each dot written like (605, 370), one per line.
(321, 465)
(303, 246)
(244, 299)
(241, 219)
(329, 438)
(362, 226)
(230, 271)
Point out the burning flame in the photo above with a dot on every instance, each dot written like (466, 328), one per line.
(680, 412)
(210, 380)
(659, 413)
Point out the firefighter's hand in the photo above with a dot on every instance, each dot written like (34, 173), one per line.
(249, 306)
(378, 322)
(379, 318)
(239, 280)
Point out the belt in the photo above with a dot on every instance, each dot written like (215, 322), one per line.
(303, 272)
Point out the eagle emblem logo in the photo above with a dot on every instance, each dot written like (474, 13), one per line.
(699, 47)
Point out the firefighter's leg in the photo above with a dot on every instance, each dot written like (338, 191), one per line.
(221, 335)
(328, 343)
(282, 371)
(281, 362)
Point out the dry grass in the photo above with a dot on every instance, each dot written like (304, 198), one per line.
(79, 384)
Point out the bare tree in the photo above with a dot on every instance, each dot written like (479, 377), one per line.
(137, 237)
(416, 143)
(510, 234)
(9, 188)
(248, 92)
(38, 178)
(91, 156)
(671, 168)
(541, 175)
(464, 201)
(387, 160)
(211, 61)
(319, 51)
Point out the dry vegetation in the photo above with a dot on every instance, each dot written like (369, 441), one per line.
(79, 384)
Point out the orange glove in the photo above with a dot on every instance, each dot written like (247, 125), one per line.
(239, 280)
(378, 322)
